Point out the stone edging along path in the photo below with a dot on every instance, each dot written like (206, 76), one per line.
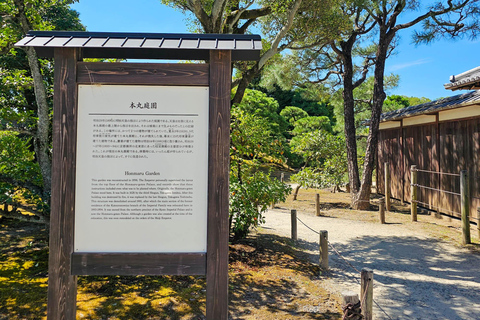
(415, 276)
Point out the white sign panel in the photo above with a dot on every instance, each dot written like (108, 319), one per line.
(142, 169)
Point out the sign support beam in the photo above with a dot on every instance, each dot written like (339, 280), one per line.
(62, 285)
(218, 167)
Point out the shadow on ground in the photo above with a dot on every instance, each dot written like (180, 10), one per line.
(417, 278)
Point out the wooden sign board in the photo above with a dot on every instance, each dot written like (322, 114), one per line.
(142, 174)
(142, 169)
(140, 158)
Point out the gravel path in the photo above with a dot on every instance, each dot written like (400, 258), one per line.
(415, 276)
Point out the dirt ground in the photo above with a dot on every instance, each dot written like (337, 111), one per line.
(272, 276)
(421, 271)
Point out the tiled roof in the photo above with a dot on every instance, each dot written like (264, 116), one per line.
(433, 106)
(467, 80)
(144, 45)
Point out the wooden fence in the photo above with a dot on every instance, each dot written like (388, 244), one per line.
(447, 147)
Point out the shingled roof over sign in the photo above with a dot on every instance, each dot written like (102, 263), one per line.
(468, 80)
(433, 106)
(144, 45)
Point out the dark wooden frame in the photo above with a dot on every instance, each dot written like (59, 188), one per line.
(64, 263)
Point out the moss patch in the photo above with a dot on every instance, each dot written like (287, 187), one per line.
(269, 279)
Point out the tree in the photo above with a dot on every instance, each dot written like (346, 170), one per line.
(283, 23)
(443, 18)
(395, 102)
(292, 114)
(309, 124)
(325, 159)
(366, 45)
(25, 99)
(256, 141)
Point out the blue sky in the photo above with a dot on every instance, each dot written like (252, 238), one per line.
(423, 69)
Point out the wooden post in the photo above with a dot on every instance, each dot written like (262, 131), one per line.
(323, 249)
(413, 192)
(382, 210)
(351, 305)
(282, 177)
(478, 222)
(218, 167)
(465, 204)
(387, 187)
(317, 204)
(294, 223)
(62, 285)
(366, 294)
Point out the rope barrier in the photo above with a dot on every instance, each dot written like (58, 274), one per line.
(438, 172)
(438, 208)
(348, 263)
(308, 226)
(434, 189)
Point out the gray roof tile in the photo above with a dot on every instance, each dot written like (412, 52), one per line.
(144, 45)
(433, 106)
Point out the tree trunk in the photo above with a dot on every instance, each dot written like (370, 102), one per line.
(349, 115)
(41, 138)
(361, 198)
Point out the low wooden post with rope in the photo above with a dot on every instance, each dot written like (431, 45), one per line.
(351, 306)
(317, 204)
(381, 210)
(478, 222)
(465, 204)
(294, 224)
(413, 192)
(387, 187)
(323, 248)
(366, 293)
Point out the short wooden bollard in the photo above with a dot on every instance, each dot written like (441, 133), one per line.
(282, 177)
(294, 224)
(413, 192)
(465, 204)
(381, 210)
(351, 306)
(323, 248)
(478, 222)
(366, 294)
(317, 204)
(387, 187)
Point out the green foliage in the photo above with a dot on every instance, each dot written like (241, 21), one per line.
(325, 159)
(256, 139)
(18, 105)
(257, 129)
(17, 167)
(258, 104)
(310, 124)
(292, 114)
(250, 198)
(395, 102)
